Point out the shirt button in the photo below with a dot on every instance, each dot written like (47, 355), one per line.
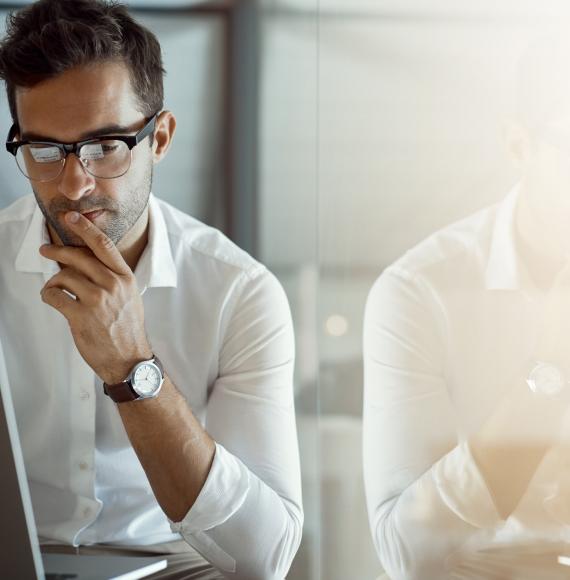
(83, 466)
(84, 395)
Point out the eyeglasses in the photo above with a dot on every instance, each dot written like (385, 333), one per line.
(104, 157)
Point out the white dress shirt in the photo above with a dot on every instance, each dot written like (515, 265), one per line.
(220, 324)
(449, 328)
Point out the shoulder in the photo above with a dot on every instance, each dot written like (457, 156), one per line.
(454, 256)
(18, 211)
(466, 241)
(203, 245)
(14, 223)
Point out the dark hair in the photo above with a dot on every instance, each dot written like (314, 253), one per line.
(50, 37)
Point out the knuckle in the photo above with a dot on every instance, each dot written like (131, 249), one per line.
(114, 285)
(116, 282)
(105, 242)
(128, 277)
(56, 253)
(48, 251)
(50, 296)
(55, 282)
(98, 295)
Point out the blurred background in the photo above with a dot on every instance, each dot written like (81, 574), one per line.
(326, 137)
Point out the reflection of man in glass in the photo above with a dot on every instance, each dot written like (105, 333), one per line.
(150, 359)
(467, 370)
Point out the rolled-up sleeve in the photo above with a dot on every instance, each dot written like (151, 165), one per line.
(425, 494)
(248, 518)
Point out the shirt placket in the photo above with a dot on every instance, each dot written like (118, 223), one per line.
(82, 406)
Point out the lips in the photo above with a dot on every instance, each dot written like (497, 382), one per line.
(93, 214)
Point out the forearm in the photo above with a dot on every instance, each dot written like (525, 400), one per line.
(513, 441)
(446, 509)
(256, 533)
(457, 504)
(174, 449)
(236, 520)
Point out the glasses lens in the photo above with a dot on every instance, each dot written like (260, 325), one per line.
(106, 159)
(39, 162)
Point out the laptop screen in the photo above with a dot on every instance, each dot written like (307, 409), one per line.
(20, 554)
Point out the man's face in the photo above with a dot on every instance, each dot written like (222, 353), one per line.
(548, 170)
(72, 107)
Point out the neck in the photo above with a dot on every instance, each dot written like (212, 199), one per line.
(537, 237)
(134, 242)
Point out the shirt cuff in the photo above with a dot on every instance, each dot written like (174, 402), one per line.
(463, 489)
(222, 495)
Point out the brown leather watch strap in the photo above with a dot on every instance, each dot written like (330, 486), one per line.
(159, 365)
(121, 392)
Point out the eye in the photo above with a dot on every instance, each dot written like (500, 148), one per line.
(43, 153)
(92, 151)
(109, 146)
(99, 150)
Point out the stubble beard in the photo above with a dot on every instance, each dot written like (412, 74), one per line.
(121, 216)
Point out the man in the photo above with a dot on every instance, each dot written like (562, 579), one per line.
(150, 359)
(466, 410)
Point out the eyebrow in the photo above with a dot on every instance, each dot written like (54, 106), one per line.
(107, 130)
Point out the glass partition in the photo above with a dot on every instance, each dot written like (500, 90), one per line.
(287, 223)
(443, 249)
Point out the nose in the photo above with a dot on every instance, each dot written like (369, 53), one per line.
(75, 182)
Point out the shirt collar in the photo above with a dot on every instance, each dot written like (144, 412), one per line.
(28, 258)
(155, 268)
(504, 269)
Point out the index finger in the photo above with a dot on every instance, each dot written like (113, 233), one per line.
(99, 243)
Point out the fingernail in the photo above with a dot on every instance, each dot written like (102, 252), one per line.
(72, 217)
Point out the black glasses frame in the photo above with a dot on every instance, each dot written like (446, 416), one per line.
(130, 141)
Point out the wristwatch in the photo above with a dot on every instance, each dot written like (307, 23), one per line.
(546, 379)
(144, 382)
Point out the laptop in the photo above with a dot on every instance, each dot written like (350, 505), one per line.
(20, 556)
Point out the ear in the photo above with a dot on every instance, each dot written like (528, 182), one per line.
(518, 142)
(163, 134)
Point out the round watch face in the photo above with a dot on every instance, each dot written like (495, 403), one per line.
(546, 379)
(147, 379)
